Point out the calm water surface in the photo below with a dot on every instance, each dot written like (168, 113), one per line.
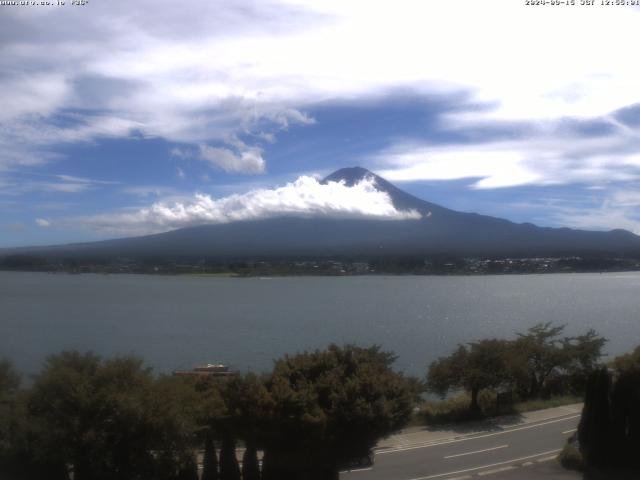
(181, 321)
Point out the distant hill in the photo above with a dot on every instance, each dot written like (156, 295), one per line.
(440, 231)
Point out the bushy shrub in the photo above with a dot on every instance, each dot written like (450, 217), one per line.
(571, 458)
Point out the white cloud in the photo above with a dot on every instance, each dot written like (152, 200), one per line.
(613, 210)
(306, 197)
(181, 153)
(195, 75)
(39, 93)
(42, 222)
(143, 191)
(246, 160)
(60, 183)
(540, 159)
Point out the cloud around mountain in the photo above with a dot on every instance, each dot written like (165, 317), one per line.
(305, 197)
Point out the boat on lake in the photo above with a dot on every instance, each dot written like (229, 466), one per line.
(208, 370)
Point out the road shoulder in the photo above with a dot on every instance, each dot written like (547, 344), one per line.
(416, 436)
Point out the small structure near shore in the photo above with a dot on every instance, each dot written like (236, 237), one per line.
(208, 370)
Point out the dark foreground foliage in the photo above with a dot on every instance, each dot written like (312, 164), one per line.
(94, 419)
(609, 430)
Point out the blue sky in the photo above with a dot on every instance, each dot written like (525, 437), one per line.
(121, 118)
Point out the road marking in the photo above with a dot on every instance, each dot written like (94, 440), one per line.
(527, 464)
(438, 475)
(546, 459)
(495, 470)
(456, 440)
(477, 451)
(465, 477)
(569, 431)
(357, 470)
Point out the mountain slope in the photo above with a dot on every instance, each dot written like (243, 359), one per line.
(439, 231)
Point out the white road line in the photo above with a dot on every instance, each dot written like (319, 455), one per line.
(403, 449)
(477, 451)
(496, 470)
(357, 470)
(546, 459)
(438, 475)
(569, 431)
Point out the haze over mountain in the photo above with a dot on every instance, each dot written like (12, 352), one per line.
(436, 231)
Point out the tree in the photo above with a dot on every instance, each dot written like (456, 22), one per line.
(594, 427)
(9, 379)
(329, 407)
(212, 418)
(188, 469)
(248, 404)
(63, 405)
(13, 456)
(625, 410)
(609, 430)
(481, 365)
(111, 419)
(541, 354)
(9, 383)
(174, 408)
(229, 468)
(583, 358)
(627, 362)
(250, 466)
(210, 460)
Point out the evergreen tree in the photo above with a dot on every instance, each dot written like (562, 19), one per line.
(250, 466)
(229, 468)
(594, 429)
(188, 469)
(210, 461)
(268, 470)
(625, 424)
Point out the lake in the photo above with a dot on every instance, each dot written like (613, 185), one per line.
(181, 321)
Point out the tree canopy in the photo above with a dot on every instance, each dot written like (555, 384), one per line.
(609, 429)
(628, 362)
(537, 363)
(96, 419)
(474, 367)
(332, 406)
(111, 418)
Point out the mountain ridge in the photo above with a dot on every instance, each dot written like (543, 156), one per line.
(440, 231)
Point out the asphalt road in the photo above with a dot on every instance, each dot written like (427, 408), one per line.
(480, 455)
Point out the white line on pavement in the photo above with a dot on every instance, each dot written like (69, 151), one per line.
(357, 470)
(569, 431)
(485, 466)
(477, 451)
(403, 449)
(547, 459)
(496, 470)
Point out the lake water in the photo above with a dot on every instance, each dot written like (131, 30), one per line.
(181, 321)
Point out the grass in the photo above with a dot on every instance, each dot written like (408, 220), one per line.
(531, 405)
(456, 409)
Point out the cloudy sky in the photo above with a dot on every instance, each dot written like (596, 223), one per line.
(123, 118)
